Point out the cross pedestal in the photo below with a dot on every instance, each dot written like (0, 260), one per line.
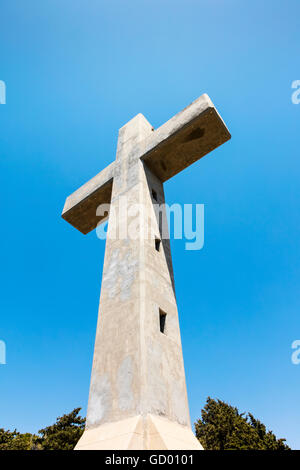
(138, 397)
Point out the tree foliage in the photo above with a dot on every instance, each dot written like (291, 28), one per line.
(63, 435)
(13, 440)
(222, 427)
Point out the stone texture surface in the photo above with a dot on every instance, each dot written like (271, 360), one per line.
(148, 432)
(185, 138)
(137, 369)
(80, 207)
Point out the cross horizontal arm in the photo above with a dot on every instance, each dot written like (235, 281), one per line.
(185, 138)
(80, 207)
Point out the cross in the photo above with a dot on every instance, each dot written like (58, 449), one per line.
(138, 397)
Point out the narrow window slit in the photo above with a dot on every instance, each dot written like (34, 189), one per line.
(162, 321)
(157, 244)
(154, 195)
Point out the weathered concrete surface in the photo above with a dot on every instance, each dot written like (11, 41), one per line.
(138, 397)
(185, 138)
(137, 370)
(148, 432)
(80, 207)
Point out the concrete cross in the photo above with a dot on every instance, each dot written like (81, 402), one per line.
(138, 397)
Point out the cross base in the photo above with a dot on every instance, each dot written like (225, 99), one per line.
(148, 432)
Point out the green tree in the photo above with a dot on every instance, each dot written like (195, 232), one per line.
(222, 427)
(13, 440)
(64, 434)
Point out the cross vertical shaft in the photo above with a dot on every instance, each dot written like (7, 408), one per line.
(138, 379)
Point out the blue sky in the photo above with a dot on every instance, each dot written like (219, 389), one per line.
(75, 72)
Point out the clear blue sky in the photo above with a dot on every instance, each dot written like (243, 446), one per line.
(75, 72)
